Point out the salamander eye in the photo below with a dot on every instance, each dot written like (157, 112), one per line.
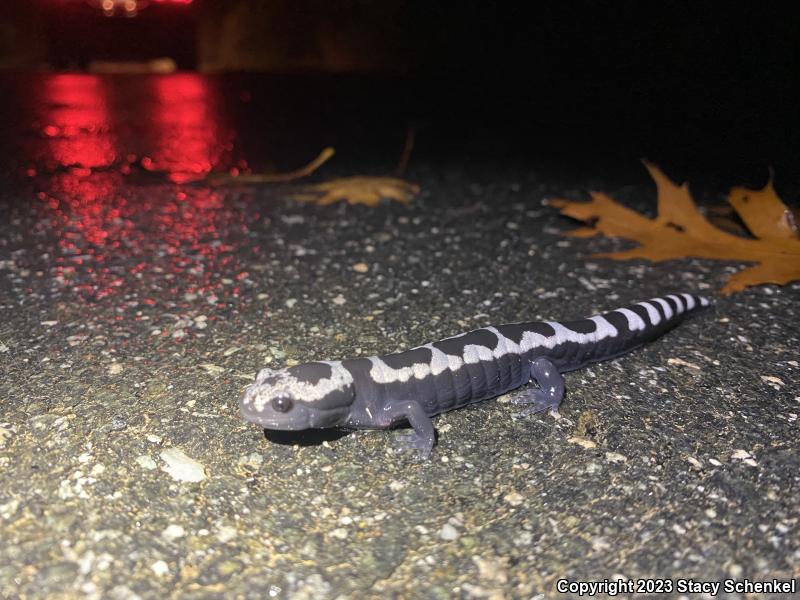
(282, 404)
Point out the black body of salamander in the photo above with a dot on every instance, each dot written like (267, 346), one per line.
(379, 392)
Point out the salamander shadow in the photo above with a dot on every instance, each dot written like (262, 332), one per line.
(306, 437)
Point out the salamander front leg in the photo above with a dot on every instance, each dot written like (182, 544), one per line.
(422, 436)
(550, 392)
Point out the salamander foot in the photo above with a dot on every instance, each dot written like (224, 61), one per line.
(414, 441)
(548, 394)
(422, 437)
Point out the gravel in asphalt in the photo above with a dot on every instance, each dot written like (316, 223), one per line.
(127, 472)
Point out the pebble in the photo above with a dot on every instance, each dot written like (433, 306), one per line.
(694, 462)
(115, 369)
(745, 457)
(160, 568)
(583, 442)
(771, 379)
(525, 538)
(181, 467)
(514, 498)
(448, 532)
(146, 462)
(225, 533)
(615, 457)
(173, 532)
(683, 363)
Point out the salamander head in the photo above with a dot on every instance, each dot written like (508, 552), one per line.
(311, 395)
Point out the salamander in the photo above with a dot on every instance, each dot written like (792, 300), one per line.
(380, 392)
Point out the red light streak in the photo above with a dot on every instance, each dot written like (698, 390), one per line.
(119, 239)
(185, 119)
(76, 121)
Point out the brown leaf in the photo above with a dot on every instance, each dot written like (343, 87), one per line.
(359, 190)
(220, 179)
(680, 230)
(763, 213)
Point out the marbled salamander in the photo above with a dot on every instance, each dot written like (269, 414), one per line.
(382, 391)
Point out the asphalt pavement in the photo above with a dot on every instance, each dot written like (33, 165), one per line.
(135, 310)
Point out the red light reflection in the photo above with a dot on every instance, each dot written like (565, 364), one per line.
(76, 122)
(188, 140)
(172, 124)
(154, 244)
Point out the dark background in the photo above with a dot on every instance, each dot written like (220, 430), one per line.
(696, 85)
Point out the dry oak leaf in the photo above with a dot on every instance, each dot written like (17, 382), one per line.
(680, 231)
(359, 190)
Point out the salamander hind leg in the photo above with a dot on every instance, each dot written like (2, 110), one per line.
(422, 436)
(550, 390)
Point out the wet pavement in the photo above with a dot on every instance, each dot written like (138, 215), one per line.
(138, 302)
